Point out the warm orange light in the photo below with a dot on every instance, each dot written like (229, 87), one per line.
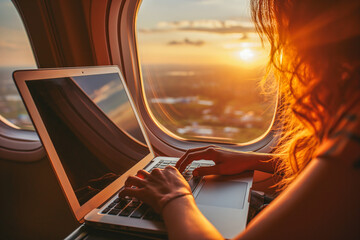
(246, 55)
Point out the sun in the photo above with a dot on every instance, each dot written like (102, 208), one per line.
(246, 55)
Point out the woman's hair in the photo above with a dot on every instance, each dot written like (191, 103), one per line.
(315, 55)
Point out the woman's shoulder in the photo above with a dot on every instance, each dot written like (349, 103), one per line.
(342, 140)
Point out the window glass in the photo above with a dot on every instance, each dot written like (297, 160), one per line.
(15, 53)
(201, 64)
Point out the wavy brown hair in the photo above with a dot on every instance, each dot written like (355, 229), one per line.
(315, 54)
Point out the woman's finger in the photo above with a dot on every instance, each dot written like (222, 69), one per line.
(134, 181)
(156, 172)
(185, 160)
(203, 171)
(208, 153)
(171, 168)
(156, 175)
(132, 192)
(189, 151)
(142, 174)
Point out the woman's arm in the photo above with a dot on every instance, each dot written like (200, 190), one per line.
(185, 221)
(227, 162)
(322, 203)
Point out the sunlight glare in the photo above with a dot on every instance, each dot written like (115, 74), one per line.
(246, 54)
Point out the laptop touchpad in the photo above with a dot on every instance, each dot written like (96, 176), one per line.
(227, 194)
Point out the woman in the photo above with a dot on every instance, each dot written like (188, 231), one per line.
(315, 53)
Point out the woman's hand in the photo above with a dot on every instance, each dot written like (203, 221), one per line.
(227, 162)
(167, 192)
(156, 188)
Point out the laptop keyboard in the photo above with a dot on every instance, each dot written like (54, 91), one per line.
(130, 207)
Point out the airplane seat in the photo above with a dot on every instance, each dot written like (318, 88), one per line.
(32, 203)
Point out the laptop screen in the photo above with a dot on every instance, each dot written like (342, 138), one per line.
(93, 128)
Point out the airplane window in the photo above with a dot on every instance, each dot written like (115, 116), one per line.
(201, 64)
(15, 53)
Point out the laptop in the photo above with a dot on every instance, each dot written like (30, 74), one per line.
(94, 138)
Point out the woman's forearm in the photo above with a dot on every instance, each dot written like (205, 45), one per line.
(185, 221)
(264, 162)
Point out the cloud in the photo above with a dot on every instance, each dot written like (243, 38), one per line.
(15, 49)
(208, 25)
(180, 73)
(13, 38)
(244, 36)
(208, 2)
(216, 2)
(186, 41)
(8, 44)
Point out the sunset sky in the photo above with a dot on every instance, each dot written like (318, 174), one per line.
(198, 32)
(14, 44)
(168, 31)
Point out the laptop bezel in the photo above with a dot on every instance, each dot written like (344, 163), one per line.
(20, 78)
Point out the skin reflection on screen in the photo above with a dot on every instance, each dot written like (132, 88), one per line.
(93, 150)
